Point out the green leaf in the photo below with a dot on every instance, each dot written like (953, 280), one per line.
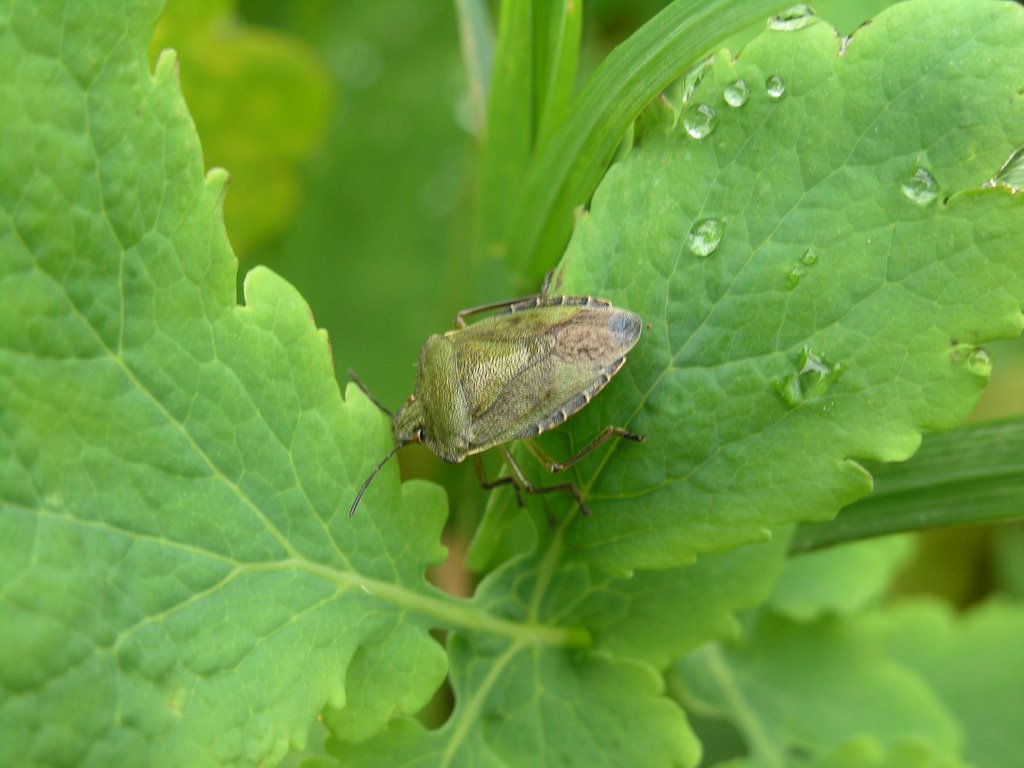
(527, 706)
(837, 318)
(973, 663)
(843, 579)
(659, 615)
(912, 679)
(810, 688)
(865, 752)
(182, 584)
(972, 474)
(607, 700)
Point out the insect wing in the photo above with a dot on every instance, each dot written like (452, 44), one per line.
(553, 358)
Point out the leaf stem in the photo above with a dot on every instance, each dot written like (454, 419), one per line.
(450, 611)
(466, 716)
(744, 716)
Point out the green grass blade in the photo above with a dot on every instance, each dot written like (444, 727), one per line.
(569, 166)
(970, 475)
(476, 38)
(556, 57)
(508, 134)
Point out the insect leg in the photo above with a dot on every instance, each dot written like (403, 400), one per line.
(546, 285)
(530, 488)
(481, 476)
(460, 318)
(560, 466)
(549, 278)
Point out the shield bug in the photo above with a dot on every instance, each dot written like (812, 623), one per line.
(511, 376)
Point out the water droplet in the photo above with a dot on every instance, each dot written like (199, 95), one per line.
(920, 187)
(736, 93)
(693, 78)
(812, 377)
(792, 19)
(789, 390)
(1011, 175)
(705, 235)
(980, 362)
(808, 259)
(700, 120)
(774, 87)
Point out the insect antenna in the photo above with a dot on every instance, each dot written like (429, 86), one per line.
(366, 483)
(359, 383)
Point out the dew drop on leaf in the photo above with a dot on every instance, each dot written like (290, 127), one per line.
(920, 187)
(774, 87)
(694, 77)
(705, 235)
(795, 274)
(980, 362)
(736, 93)
(810, 258)
(793, 18)
(812, 377)
(1011, 175)
(700, 120)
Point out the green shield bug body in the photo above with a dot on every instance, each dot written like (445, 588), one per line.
(511, 376)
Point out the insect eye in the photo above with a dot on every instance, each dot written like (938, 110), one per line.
(418, 435)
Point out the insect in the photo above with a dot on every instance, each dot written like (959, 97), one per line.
(512, 376)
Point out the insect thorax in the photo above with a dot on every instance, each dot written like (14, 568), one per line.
(440, 396)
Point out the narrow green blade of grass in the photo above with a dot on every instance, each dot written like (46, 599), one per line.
(476, 38)
(556, 56)
(565, 172)
(508, 134)
(970, 475)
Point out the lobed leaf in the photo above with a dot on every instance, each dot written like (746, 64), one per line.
(972, 662)
(808, 689)
(182, 584)
(842, 580)
(518, 702)
(911, 680)
(837, 318)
